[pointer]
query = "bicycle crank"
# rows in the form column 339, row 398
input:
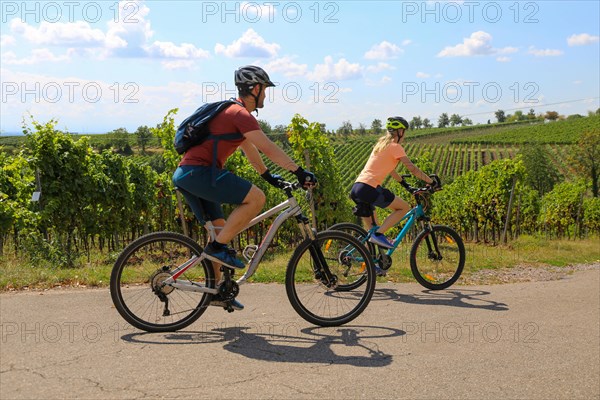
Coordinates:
column 384, row 261
column 228, row 291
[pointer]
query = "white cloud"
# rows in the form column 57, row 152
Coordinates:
column 582, row 39
column 286, row 66
column 478, row 44
column 82, row 105
column 507, row 50
column 7, row 40
column 178, row 64
column 78, row 33
column 128, row 34
column 383, row 51
column 37, row 56
column 384, row 80
column 422, row 75
column 381, row 66
column 544, row 52
column 171, row 50
column 577, row 82
column 250, row 44
column 406, row 42
column 503, row 59
column 342, row 70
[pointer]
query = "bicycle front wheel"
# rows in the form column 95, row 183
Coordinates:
column 437, row 257
column 137, row 289
column 355, row 277
column 315, row 271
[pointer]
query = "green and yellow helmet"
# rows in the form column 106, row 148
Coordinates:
column 394, row 123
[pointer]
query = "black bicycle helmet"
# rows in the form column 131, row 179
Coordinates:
column 397, row 123
column 250, row 75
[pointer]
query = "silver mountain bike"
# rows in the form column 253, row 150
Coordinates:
column 162, row 281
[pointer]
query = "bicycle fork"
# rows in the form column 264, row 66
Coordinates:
column 433, row 249
column 320, row 267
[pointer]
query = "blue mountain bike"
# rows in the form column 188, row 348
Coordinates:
column 437, row 256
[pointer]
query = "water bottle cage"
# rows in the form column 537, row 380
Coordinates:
column 249, row 252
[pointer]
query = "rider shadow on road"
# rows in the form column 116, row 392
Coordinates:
column 464, row 298
column 348, row 345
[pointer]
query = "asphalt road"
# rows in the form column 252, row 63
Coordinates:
column 538, row 340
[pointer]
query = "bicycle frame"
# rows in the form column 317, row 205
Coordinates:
column 413, row 215
column 285, row 210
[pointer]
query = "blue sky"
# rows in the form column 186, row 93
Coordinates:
column 96, row 66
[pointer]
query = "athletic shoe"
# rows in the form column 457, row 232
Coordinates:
column 380, row 240
column 225, row 256
column 218, row 302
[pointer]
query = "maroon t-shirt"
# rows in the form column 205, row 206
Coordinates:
column 234, row 119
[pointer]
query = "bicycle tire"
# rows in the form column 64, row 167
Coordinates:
column 310, row 297
column 432, row 273
column 360, row 233
column 142, row 265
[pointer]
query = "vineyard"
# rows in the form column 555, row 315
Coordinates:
column 449, row 160
column 519, row 133
column 558, row 132
column 100, row 199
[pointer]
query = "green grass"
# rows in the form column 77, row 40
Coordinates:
column 526, row 251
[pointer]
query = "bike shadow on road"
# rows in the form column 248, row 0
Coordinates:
column 465, row 298
column 347, row 345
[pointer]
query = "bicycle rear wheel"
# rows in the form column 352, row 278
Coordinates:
column 135, row 283
column 355, row 277
column 316, row 299
column 437, row 257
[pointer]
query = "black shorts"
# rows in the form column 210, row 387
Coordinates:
column 379, row 196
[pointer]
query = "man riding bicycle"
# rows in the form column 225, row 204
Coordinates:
column 194, row 175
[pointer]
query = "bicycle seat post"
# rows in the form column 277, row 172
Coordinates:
column 212, row 230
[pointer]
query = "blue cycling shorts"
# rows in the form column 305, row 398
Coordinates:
column 206, row 198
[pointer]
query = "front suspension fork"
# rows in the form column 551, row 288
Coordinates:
column 320, row 267
column 433, row 250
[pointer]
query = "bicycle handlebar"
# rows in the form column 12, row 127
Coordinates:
column 417, row 191
column 289, row 187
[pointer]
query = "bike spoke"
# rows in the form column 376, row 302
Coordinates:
column 437, row 257
column 317, row 298
column 137, row 283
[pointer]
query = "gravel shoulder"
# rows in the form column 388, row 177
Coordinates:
column 524, row 273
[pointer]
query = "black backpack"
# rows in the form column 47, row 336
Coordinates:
column 194, row 129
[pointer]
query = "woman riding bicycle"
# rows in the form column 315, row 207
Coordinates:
column 367, row 189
